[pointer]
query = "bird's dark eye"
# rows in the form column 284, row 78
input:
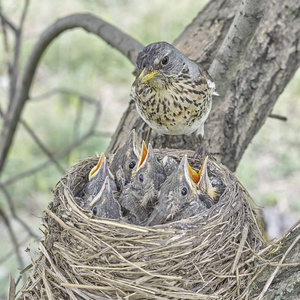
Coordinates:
column 132, row 164
column 95, row 210
column 141, row 177
column 184, row 191
column 165, row 60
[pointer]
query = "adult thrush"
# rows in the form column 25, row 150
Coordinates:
column 172, row 93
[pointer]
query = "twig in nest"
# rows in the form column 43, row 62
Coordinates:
column 288, row 231
column 240, row 249
column 12, row 288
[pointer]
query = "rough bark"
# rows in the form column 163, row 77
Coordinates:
column 271, row 59
column 286, row 283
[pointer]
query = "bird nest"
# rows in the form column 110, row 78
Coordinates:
column 207, row 256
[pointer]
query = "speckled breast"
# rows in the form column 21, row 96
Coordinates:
column 175, row 109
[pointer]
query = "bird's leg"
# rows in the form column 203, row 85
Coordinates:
column 148, row 137
column 167, row 141
column 201, row 151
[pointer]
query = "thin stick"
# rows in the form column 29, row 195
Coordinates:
column 70, row 229
column 13, row 237
column 13, row 211
column 42, row 146
column 11, row 289
column 288, row 232
column 278, row 117
column 6, row 21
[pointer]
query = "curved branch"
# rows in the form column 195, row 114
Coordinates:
column 113, row 36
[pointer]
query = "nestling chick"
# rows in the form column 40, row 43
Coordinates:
column 140, row 194
column 104, row 204
column 170, row 164
column 125, row 160
column 97, row 177
column 205, row 186
column 178, row 197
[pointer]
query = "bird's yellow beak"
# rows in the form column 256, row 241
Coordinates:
column 204, row 183
column 143, row 154
column 95, row 169
column 144, row 76
column 193, row 174
column 203, row 173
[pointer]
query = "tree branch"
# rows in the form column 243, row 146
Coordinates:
column 6, row 48
column 6, row 21
column 15, row 65
column 13, row 212
column 269, row 281
column 13, row 237
column 113, row 36
column 42, row 146
column 278, row 117
column 11, row 252
column 234, row 47
column 60, row 154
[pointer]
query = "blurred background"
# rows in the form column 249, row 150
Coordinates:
column 78, row 73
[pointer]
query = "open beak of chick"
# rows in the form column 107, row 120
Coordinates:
column 204, row 183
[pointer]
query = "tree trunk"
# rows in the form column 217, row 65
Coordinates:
column 270, row 60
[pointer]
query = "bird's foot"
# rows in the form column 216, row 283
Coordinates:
column 201, row 151
column 167, row 141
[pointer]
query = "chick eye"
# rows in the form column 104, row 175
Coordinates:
column 184, row 191
column 132, row 164
column 165, row 60
column 141, row 177
column 95, row 210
